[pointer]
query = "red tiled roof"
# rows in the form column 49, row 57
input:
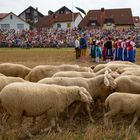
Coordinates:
column 119, row 16
column 2, row 15
column 48, row 21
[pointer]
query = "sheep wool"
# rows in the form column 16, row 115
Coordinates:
column 34, row 99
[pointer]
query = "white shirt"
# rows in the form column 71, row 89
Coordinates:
column 77, row 43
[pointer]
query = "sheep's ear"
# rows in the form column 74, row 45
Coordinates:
column 106, row 81
column 83, row 96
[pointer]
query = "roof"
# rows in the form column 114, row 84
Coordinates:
column 30, row 7
column 3, row 15
column 64, row 7
column 6, row 14
column 119, row 16
column 48, row 21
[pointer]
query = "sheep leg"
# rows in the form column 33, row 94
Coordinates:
column 75, row 112
column 108, row 118
column 132, row 124
column 34, row 120
column 89, row 113
column 53, row 124
column 57, row 125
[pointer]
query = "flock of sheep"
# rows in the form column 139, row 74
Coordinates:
column 49, row 90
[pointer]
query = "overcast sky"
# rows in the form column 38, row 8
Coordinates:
column 17, row 6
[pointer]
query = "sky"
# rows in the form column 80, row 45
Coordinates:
column 18, row 6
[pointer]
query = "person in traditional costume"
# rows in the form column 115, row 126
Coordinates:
column 96, row 51
column 109, row 53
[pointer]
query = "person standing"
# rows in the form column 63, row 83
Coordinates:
column 77, row 47
column 109, row 53
column 83, row 48
column 96, row 51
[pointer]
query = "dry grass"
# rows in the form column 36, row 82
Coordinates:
column 81, row 128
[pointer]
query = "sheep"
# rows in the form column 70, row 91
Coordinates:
column 132, row 72
column 74, row 74
column 2, row 74
column 34, row 99
column 4, row 80
column 114, row 66
column 40, row 72
column 122, row 102
column 15, row 70
column 129, row 83
column 95, row 86
column 117, row 67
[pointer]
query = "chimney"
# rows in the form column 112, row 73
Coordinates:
column 36, row 8
column 102, row 16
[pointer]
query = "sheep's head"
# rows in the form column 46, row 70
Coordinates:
column 109, row 81
column 85, row 95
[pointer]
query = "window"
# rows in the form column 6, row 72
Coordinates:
column 93, row 24
column 58, row 25
column 68, row 25
column 5, row 26
column 11, row 17
column 20, row 26
column 109, row 24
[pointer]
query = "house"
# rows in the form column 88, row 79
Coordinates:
column 11, row 21
column 136, row 21
column 60, row 21
column 108, row 19
column 31, row 15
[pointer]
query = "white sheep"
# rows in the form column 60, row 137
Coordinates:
column 34, row 99
column 5, row 80
column 40, row 72
column 95, row 86
column 128, row 84
column 15, row 70
column 125, row 103
column 74, row 74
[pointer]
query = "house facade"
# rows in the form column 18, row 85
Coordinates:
column 11, row 21
column 63, row 18
column 108, row 19
column 62, row 21
column 31, row 15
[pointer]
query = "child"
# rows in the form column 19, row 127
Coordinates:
column 96, row 52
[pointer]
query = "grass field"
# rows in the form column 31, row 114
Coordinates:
column 80, row 128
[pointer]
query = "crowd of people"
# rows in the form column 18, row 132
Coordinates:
column 108, row 45
column 116, row 44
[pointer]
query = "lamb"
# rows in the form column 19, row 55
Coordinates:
column 40, row 72
column 15, row 70
column 34, row 99
column 122, row 102
column 74, row 74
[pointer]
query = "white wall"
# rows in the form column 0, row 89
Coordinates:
column 14, row 21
